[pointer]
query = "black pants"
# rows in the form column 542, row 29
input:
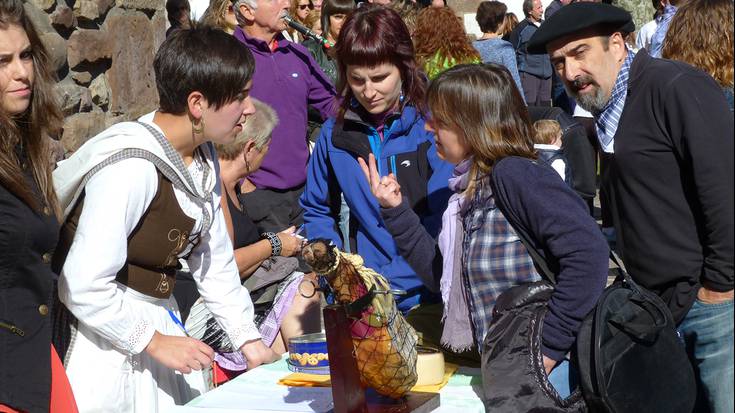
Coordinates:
column 536, row 90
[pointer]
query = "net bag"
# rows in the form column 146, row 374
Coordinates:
column 384, row 343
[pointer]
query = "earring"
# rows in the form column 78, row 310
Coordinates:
column 400, row 98
column 200, row 129
column 354, row 103
column 247, row 163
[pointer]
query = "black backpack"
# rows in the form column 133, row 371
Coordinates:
column 628, row 354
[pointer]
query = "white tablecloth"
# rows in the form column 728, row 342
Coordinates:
column 258, row 391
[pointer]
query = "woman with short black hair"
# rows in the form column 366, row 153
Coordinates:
column 138, row 198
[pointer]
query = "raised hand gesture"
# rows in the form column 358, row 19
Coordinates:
column 385, row 189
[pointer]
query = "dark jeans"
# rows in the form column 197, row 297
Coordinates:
column 536, row 90
column 273, row 210
column 707, row 331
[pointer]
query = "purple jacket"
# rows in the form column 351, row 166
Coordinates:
column 289, row 80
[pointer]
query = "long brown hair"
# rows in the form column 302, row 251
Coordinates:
column 31, row 129
column 438, row 29
column 215, row 14
column 701, row 34
column 483, row 104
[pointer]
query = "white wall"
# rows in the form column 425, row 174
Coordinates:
column 514, row 6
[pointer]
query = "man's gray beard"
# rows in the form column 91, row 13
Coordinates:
column 591, row 102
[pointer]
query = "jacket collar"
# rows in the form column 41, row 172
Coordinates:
column 640, row 63
column 351, row 134
column 257, row 44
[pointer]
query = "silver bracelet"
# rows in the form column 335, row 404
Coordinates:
column 272, row 237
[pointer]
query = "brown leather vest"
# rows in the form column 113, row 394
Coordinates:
column 153, row 247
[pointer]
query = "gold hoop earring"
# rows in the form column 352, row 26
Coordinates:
column 200, row 129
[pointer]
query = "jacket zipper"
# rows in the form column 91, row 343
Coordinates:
column 376, row 145
column 12, row 329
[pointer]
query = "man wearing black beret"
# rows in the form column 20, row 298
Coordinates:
column 668, row 133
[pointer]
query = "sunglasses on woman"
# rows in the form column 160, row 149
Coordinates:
column 305, row 6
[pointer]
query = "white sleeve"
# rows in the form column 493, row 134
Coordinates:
column 115, row 200
column 212, row 265
column 559, row 167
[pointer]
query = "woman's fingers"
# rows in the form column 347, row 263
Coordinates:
column 364, row 168
column 370, row 170
column 386, row 189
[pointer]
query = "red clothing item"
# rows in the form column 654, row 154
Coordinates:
column 62, row 397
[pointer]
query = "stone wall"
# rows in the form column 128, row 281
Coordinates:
column 102, row 52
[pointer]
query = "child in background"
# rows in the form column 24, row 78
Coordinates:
column 548, row 135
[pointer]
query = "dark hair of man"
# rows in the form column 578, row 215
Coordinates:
column 174, row 8
column 374, row 35
column 332, row 7
column 201, row 59
column 493, row 121
column 490, row 15
column 527, row 7
column 30, row 130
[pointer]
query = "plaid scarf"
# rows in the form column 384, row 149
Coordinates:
column 606, row 122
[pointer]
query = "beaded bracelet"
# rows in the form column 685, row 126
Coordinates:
column 272, row 237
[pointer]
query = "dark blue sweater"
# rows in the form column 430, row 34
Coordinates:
column 558, row 221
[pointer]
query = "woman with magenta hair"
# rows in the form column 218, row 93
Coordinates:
column 381, row 113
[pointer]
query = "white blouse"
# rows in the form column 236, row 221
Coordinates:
column 116, row 198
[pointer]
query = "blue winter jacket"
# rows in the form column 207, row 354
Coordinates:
column 409, row 152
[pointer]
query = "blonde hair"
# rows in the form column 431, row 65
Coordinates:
column 258, row 129
column 547, row 131
column 701, row 34
column 215, row 14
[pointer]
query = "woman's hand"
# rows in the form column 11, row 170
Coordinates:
column 385, row 189
column 257, row 353
column 182, row 354
column 290, row 243
column 549, row 365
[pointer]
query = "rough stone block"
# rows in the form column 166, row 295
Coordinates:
column 56, row 48
column 63, row 16
column 141, row 4
column 100, row 90
column 44, row 4
column 88, row 46
column 92, row 9
column 40, row 20
column 159, row 24
column 131, row 77
column 80, row 127
column 82, row 78
column 72, row 97
column 464, row 6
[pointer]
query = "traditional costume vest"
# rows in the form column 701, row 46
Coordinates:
column 154, row 246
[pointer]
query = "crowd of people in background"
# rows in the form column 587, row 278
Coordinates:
column 388, row 130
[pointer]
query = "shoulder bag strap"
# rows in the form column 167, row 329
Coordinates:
column 538, row 259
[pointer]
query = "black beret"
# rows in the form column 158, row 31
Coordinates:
column 576, row 17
